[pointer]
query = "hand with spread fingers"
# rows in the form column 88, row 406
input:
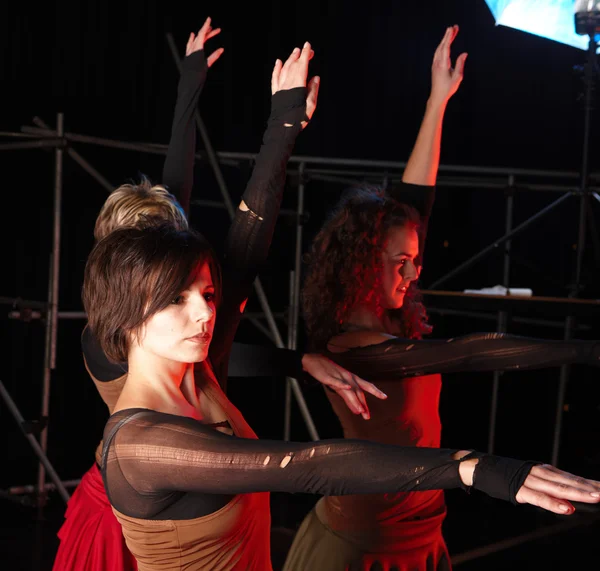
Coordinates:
column 294, row 73
column 347, row 385
column 446, row 79
column 196, row 42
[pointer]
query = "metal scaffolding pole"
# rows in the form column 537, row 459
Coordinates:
column 295, row 315
column 85, row 165
column 52, row 316
column 502, row 321
column 481, row 254
column 40, row 453
column 590, row 73
column 287, row 403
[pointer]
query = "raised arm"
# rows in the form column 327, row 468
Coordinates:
column 422, row 166
column 209, row 462
column 178, row 170
column 249, row 238
column 420, row 175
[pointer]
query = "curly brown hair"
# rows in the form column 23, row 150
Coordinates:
column 345, row 265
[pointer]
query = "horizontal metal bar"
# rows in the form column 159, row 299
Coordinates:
column 29, row 489
column 494, row 317
column 25, row 303
column 17, row 135
column 341, row 177
column 158, row 148
column 515, row 299
column 42, row 144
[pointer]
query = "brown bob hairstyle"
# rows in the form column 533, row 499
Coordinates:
column 133, row 273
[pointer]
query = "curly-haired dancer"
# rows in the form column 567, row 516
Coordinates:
column 361, row 306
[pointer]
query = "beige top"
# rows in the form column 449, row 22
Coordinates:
column 408, row 417
column 236, row 537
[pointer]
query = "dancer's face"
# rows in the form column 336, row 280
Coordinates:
column 182, row 331
column 398, row 256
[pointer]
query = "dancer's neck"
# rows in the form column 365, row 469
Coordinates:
column 159, row 384
column 365, row 317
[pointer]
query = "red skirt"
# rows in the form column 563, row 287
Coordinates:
column 91, row 538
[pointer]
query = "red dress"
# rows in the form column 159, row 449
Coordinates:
column 91, row 539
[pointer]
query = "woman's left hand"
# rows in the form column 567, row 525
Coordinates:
column 445, row 79
column 196, row 42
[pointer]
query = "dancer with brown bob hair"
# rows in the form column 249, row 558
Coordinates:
column 184, row 473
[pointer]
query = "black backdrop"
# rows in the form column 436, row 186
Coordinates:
column 107, row 66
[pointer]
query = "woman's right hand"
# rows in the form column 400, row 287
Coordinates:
column 294, row 73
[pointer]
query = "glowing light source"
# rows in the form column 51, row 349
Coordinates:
column 551, row 19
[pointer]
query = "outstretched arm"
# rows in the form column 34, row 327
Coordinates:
column 266, row 360
column 156, row 453
column 178, row 170
column 377, row 356
column 420, row 175
column 358, row 357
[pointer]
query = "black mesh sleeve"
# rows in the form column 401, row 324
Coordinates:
column 251, row 231
column 178, row 170
column 399, row 358
column 156, row 453
column 264, row 360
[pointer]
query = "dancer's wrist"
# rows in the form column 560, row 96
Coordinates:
column 466, row 468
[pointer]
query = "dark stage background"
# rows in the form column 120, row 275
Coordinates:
column 107, row 66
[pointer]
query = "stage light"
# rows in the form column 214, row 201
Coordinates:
column 563, row 21
column 587, row 17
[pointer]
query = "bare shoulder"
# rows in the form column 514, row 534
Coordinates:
column 352, row 339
